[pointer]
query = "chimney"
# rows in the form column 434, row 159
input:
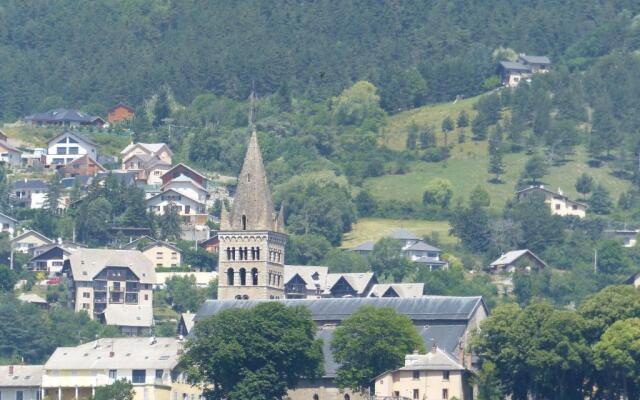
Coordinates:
column 112, row 353
column 434, row 347
column 10, row 370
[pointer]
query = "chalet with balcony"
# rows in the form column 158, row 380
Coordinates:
column 120, row 113
column 67, row 147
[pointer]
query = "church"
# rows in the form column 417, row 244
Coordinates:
column 251, row 270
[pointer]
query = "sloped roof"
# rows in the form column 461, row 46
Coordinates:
column 366, row 246
column 306, row 272
column 401, row 289
column 153, row 148
column 87, row 263
column 403, row 234
column 514, row 66
column 24, row 376
column 75, row 135
column 129, row 315
column 357, row 280
column 29, row 233
column 29, row 184
column 184, row 179
column 176, row 192
column 32, row 298
column 62, row 115
column 535, row 59
column 543, row 189
column 189, row 320
column 160, row 243
column 9, row 147
column 118, row 353
column 434, row 360
column 8, row 217
column 120, row 105
column 426, row 308
column 510, row 257
column 422, row 246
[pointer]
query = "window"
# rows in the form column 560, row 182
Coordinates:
column 347, row 397
column 138, row 376
column 445, row 394
column 416, row 375
column 574, row 207
column 445, row 375
column 159, row 373
column 416, row 394
column 557, row 206
column 244, row 222
column 61, row 150
column 158, row 255
column 113, row 374
column 159, row 265
column 230, row 277
column 86, row 295
column 73, row 150
column 85, row 306
column 131, row 298
column 146, row 297
column 19, row 395
column 254, row 276
column 243, row 277
column 174, row 255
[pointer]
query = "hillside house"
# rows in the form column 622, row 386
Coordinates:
column 29, row 193
column 64, row 117
column 20, row 382
column 211, row 245
column 69, row 146
column 512, row 261
column 514, row 72
column 163, row 254
column 559, row 203
column 149, row 161
column 27, row 241
column 435, row 375
column 119, row 113
column 302, row 282
column 50, row 258
column 151, row 364
column 183, row 169
column 192, row 210
column 8, row 225
column 10, row 155
column 439, row 320
column 34, row 157
column 364, row 249
column 187, row 186
column 113, row 286
column 629, row 237
column 83, row 166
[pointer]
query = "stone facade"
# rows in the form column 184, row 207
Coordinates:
column 252, row 238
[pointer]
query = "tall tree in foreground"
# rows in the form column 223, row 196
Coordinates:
column 254, row 354
column 371, row 341
column 387, row 260
column 584, row 184
column 535, row 169
column 118, row 390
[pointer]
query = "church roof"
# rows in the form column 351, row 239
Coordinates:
column 252, row 203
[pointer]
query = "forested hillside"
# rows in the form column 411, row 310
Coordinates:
column 93, row 54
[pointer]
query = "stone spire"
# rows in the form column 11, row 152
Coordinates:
column 252, row 206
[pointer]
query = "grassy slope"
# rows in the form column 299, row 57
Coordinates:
column 376, row 228
column 467, row 166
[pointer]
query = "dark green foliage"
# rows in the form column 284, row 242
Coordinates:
column 339, row 260
column 306, row 249
column 600, row 200
column 535, row 168
column 471, row 226
column 8, row 279
column 255, row 353
column 365, row 204
column 170, row 224
column 584, row 184
column 540, row 229
column 118, row 390
column 453, row 282
column 438, row 193
column 371, row 341
column 161, row 108
column 427, row 138
column 388, row 262
column 463, row 119
column 183, row 295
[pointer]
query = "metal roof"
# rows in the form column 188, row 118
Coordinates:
column 129, row 315
column 427, row 308
column 307, row 273
column 8, row 217
column 31, row 233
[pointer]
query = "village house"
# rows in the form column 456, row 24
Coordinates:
column 34, row 299
column 442, row 321
column 83, row 166
column 151, row 364
column 10, row 155
column 50, row 258
column 183, row 169
column 514, row 72
column 211, row 245
column 67, row 147
column 8, row 225
column 20, row 382
column 517, row 260
column 629, row 237
column 149, row 161
column 187, row 186
column 113, row 286
column 192, row 210
column 34, row 157
column 119, row 113
column 559, row 203
column 435, row 375
column 414, row 248
column 405, row 290
column 163, row 254
column 64, row 117
column 29, row 193
column 28, row 240
column 305, row 281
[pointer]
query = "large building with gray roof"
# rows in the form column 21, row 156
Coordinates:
column 113, row 286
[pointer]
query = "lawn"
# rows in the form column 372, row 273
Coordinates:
column 376, row 228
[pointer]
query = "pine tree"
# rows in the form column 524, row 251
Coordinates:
column 412, row 137
column 496, row 163
column 427, row 138
column 463, row 119
column 447, row 126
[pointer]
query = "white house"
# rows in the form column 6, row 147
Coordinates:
column 29, row 240
column 8, row 225
column 20, row 382
column 191, row 209
column 69, row 146
column 187, row 186
column 9, row 154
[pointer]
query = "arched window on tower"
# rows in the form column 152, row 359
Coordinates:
column 244, row 222
column 230, row 277
column 228, row 253
column 243, row 276
column 254, row 276
column 233, row 253
column 253, row 253
column 257, row 253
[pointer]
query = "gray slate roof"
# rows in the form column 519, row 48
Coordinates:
column 30, row 184
column 403, row 234
column 535, row 59
column 23, row 376
column 87, row 263
column 306, row 272
column 366, row 246
column 514, row 66
column 422, row 246
column 426, row 308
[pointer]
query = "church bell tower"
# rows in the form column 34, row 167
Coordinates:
column 252, row 237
